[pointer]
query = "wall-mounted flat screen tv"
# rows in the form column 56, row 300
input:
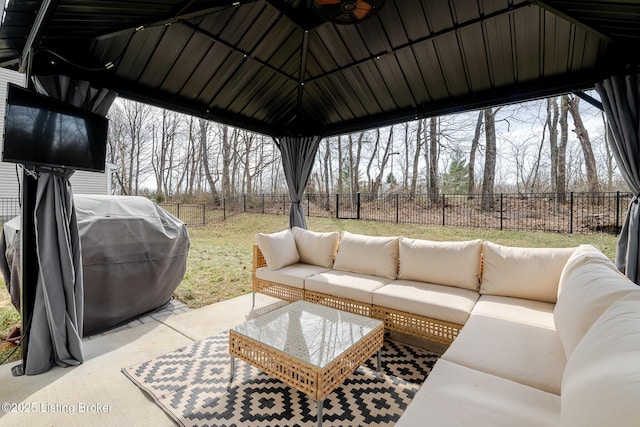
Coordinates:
column 42, row 131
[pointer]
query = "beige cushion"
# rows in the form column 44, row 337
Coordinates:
column 291, row 275
column 377, row 256
column 586, row 293
column 527, row 354
column 526, row 311
column 581, row 255
column 353, row 286
column 530, row 273
column 601, row 384
column 443, row 263
column 316, row 248
column 278, row 249
column 425, row 299
column 454, row 396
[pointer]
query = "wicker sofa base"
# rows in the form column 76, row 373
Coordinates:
column 277, row 290
column 394, row 320
column 343, row 304
column 419, row 326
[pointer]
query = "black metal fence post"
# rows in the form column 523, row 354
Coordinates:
column 397, row 208
column 358, row 205
column 443, row 212
column 501, row 210
column 204, row 214
column 337, row 205
column 263, row 203
column 224, row 209
column 617, row 211
column 178, row 215
column 308, row 204
column 571, row 213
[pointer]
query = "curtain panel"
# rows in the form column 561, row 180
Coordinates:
column 298, row 155
column 621, row 102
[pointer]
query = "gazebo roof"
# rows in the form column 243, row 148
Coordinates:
column 276, row 67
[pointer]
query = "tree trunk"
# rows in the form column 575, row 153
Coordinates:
column 562, row 149
column 204, row 128
column 472, row 155
column 340, row 165
column 585, row 142
column 226, row 162
column 416, row 161
column 433, row 159
column 552, row 125
column 489, row 160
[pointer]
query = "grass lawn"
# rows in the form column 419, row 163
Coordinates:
column 220, row 258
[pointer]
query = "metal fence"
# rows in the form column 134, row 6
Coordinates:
column 9, row 208
column 551, row 212
column 562, row 213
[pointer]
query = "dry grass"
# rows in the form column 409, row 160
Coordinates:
column 219, row 264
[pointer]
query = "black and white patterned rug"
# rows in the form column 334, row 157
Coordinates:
column 192, row 386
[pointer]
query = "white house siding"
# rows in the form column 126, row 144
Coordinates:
column 81, row 181
column 8, row 181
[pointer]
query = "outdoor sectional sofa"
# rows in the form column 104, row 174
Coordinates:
column 538, row 336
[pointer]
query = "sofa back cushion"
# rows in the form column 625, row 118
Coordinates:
column 529, row 273
column 601, row 382
column 279, row 249
column 316, row 248
column 589, row 285
column 442, row 263
column 377, row 256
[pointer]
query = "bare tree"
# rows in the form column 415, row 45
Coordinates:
column 472, row 154
column 135, row 118
column 585, row 143
column 354, row 161
column 377, row 182
column 433, row 159
column 552, row 124
column 489, row 158
column 561, row 181
column 204, row 148
column 416, row 161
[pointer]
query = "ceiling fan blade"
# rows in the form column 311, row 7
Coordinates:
column 362, row 9
column 324, row 2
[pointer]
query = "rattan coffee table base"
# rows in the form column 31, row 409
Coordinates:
column 311, row 380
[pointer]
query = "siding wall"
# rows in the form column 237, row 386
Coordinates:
column 81, row 181
column 8, row 179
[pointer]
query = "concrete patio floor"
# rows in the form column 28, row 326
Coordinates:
column 96, row 393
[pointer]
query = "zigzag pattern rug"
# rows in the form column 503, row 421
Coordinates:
column 192, row 386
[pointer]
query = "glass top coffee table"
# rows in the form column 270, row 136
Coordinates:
column 307, row 346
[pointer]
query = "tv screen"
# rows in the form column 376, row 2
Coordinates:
column 39, row 130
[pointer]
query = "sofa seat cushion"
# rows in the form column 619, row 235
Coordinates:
column 529, row 273
column 454, row 395
column 527, row 354
column 529, row 312
column 291, row 275
column 445, row 263
column 353, row 286
column 425, row 299
column 586, row 291
column 601, row 384
column 377, row 256
column 316, row 248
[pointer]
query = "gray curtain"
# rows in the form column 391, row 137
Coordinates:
column 55, row 333
column 298, row 155
column 621, row 102
column 56, row 325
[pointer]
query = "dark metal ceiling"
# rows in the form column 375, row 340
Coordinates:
column 276, row 67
